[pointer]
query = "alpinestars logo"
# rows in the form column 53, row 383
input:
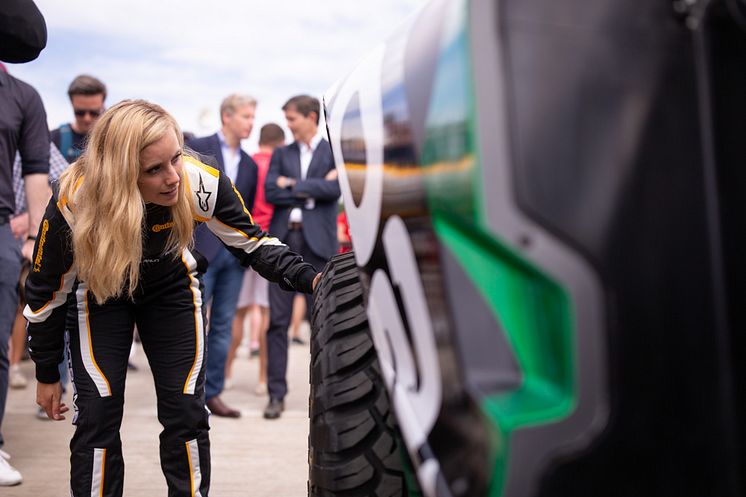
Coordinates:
column 203, row 200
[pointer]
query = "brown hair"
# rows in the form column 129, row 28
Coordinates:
column 86, row 85
column 304, row 104
column 271, row 134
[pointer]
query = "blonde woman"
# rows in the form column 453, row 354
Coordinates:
column 116, row 240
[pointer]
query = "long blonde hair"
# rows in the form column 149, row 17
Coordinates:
column 105, row 201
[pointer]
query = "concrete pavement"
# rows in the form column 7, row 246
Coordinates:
column 251, row 457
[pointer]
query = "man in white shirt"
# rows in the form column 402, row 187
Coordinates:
column 302, row 186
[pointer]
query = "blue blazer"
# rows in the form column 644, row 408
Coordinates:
column 319, row 223
column 209, row 149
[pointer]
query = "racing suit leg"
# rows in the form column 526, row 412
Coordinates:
column 170, row 321
column 100, row 338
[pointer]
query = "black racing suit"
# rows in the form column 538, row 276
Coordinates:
column 167, row 309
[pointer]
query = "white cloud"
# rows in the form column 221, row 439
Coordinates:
column 188, row 55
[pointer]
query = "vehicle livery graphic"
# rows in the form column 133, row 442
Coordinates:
column 543, row 206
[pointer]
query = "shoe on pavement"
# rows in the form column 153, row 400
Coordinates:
column 9, row 475
column 17, row 378
column 41, row 414
column 298, row 341
column 260, row 389
column 4, row 455
column 254, row 349
column 274, row 409
column 218, row 408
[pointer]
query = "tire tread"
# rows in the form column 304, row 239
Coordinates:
column 353, row 438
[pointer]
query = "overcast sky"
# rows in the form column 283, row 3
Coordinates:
column 187, row 55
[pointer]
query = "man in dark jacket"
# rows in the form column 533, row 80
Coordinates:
column 302, row 185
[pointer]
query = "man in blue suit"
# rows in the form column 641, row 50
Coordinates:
column 224, row 274
column 302, row 185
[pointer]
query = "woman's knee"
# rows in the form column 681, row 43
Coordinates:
column 183, row 416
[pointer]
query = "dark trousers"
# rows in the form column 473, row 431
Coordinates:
column 169, row 318
column 223, row 281
column 10, row 270
column 280, row 313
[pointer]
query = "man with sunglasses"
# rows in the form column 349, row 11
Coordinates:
column 87, row 95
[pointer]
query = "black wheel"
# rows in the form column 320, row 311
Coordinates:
column 353, row 441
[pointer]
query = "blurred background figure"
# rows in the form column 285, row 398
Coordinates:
column 87, row 95
column 297, row 317
column 302, row 185
column 23, row 129
column 254, row 297
column 343, row 232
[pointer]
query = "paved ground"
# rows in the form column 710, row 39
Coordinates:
column 250, row 456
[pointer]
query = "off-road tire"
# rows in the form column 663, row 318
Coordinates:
column 352, row 446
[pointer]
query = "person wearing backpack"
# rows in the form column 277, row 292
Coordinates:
column 87, row 95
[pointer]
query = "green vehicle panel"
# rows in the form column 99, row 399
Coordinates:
column 497, row 164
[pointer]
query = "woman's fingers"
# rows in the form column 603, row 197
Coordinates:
column 58, row 408
column 48, row 397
